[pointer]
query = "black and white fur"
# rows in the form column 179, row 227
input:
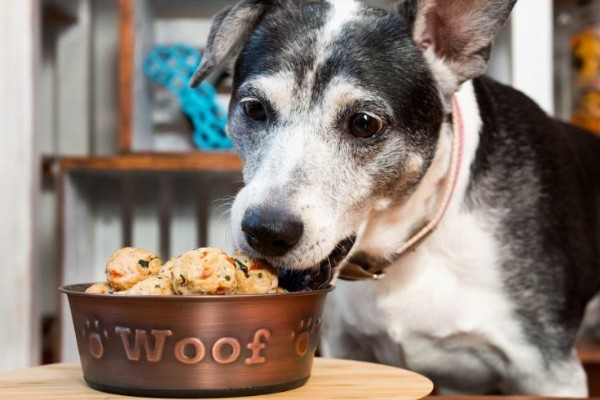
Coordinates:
column 492, row 299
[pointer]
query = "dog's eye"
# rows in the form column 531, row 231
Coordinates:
column 255, row 110
column 365, row 126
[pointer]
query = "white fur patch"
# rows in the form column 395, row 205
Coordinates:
column 343, row 12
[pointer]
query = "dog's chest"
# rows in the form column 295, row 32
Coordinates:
column 443, row 304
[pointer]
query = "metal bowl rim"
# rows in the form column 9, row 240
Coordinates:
column 70, row 290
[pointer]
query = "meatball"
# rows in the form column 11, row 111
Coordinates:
column 154, row 285
column 167, row 268
column 129, row 265
column 253, row 277
column 204, row 271
column 100, row 288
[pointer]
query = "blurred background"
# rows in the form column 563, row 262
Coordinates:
column 104, row 146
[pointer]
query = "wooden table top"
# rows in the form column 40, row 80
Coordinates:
column 331, row 379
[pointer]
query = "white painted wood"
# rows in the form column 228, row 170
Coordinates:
column 146, row 228
column 47, row 252
column 184, row 229
column 19, row 178
column 223, row 100
column 47, row 90
column 171, row 131
column 78, row 256
column 105, row 73
column 47, row 144
column 183, row 30
column 220, row 194
column 188, row 8
column 74, row 84
column 532, row 50
column 500, row 60
column 107, row 223
column 142, row 103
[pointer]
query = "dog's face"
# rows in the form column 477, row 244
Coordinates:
column 336, row 111
column 323, row 114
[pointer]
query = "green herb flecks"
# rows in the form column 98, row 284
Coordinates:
column 156, row 286
column 144, row 264
column 182, row 279
column 227, row 278
column 240, row 265
column 260, row 275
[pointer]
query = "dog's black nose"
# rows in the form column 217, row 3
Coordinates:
column 270, row 231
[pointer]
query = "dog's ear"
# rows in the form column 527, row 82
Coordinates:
column 459, row 33
column 230, row 30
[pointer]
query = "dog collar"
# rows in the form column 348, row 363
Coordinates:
column 355, row 271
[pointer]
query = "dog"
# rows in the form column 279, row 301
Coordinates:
column 363, row 130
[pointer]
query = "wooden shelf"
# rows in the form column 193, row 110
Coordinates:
column 152, row 162
column 590, row 357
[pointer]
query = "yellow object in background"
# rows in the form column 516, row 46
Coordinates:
column 585, row 49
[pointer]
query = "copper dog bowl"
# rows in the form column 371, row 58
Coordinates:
column 196, row 346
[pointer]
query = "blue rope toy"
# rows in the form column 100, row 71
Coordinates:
column 172, row 67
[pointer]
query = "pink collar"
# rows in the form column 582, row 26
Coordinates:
column 352, row 271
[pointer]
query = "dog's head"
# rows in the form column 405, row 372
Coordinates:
column 337, row 110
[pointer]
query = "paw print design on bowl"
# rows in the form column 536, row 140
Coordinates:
column 307, row 330
column 95, row 337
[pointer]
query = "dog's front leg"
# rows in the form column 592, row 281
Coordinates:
column 338, row 339
column 339, row 344
column 352, row 326
column 561, row 378
column 344, row 343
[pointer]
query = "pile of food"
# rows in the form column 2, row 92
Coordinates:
column 204, row 271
